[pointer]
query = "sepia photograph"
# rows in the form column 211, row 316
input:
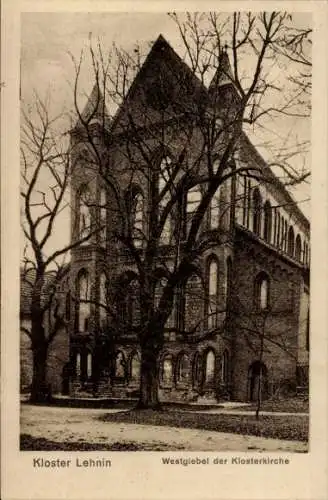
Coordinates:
column 165, row 184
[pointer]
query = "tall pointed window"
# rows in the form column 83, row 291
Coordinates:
column 278, row 230
column 248, row 203
column 78, row 365
column 212, row 293
column 103, row 301
column 103, row 217
column 298, row 248
column 83, row 305
column 182, row 373
column 160, row 285
column 267, row 230
column 120, row 365
column 137, row 219
column 225, row 367
column 209, row 367
column 215, row 209
column 194, row 197
column 257, row 207
column 291, row 242
column 194, row 297
column 135, row 367
column 167, row 370
column 286, row 236
column 84, row 213
column 262, row 292
column 165, row 184
column 89, row 365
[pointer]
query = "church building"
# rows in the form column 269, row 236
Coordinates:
column 246, row 315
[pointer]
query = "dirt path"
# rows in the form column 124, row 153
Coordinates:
column 78, row 424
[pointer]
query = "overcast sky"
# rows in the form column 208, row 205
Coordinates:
column 47, row 39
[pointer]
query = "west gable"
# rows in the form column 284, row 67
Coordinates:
column 164, row 89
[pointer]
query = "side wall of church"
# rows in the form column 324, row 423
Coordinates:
column 279, row 325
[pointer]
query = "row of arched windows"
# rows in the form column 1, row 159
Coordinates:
column 205, row 297
column 123, row 369
column 129, row 303
column 267, row 222
column 201, row 370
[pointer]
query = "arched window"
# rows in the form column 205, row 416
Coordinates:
column 278, row 231
column 282, row 232
column 267, row 230
column 167, row 370
column 274, row 225
column 215, row 209
column 137, row 219
column 68, row 306
column 182, row 373
column 249, row 203
column 262, row 292
column 298, row 248
column 164, row 183
column 197, row 370
column 103, row 300
column 83, row 303
column 257, row 207
column 209, row 367
column 225, row 367
column 194, row 197
column 306, row 254
column 286, row 236
column 84, row 213
column 78, row 365
column 257, row 381
column 291, row 242
column 135, row 367
column 103, row 217
column 212, row 293
column 120, row 365
column 194, row 298
column 89, row 365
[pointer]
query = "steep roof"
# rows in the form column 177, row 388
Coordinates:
column 163, row 81
column 95, row 109
column 27, row 281
column 223, row 74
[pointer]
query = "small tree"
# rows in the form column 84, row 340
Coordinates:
column 45, row 172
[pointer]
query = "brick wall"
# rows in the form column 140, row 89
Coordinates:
column 279, row 324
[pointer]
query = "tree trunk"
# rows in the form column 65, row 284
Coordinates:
column 40, row 390
column 148, row 380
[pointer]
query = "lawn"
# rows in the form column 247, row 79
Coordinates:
column 292, row 405
column 271, row 426
column 31, row 443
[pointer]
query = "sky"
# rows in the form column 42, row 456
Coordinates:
column 48, row 39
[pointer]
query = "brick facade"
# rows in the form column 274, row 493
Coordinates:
column 246, row 252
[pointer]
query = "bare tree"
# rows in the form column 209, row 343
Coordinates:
column 45, row 171
column 181, row 142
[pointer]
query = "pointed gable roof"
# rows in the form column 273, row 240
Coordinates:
column 163, row 79
column 95, row 108
column 223, row 75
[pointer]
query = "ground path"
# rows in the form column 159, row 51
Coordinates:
column 62, row 424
